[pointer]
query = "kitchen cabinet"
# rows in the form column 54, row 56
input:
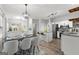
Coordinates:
column 70, row 44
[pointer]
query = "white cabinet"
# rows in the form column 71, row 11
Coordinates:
column 50, row 37
column 47, row 37
column 70, row 44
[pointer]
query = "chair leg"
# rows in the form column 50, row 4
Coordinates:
column 33, row 50
column 38, row 49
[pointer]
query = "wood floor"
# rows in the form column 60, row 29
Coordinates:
column 0, row 46
column 51, row 48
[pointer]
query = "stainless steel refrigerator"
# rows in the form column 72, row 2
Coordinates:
column 54, row 30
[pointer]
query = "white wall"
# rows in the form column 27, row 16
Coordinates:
column 41, row 24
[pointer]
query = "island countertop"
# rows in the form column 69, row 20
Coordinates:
column 71, row 34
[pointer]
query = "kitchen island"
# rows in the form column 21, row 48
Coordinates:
column 70, row 43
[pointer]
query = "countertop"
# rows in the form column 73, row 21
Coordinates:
column 71, row 34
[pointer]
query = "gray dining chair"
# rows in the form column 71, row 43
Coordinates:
column 10, row 47
column 25, row 45
column 35, row 46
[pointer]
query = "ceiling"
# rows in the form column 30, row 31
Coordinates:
column 36, row 11
column 12, row 10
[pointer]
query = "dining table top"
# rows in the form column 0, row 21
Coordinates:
column 19, row 38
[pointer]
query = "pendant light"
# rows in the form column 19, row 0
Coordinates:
column 25, row 14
